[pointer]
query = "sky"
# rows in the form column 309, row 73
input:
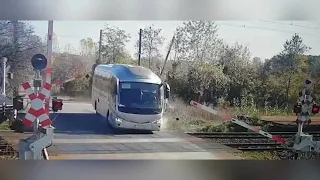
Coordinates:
column 264, row 38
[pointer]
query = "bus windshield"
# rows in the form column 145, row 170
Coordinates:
column 139, row 98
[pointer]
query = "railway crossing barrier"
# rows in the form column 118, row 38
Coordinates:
column 305, row 107
column 227, row 116
column 34, row 147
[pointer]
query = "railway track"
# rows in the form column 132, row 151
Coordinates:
column 246, row 135
column 248, row 141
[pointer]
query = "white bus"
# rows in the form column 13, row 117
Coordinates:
column 129, row 97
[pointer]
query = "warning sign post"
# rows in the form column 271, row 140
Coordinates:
column 34, row 147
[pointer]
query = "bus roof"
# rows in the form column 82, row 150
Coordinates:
column 129, row 73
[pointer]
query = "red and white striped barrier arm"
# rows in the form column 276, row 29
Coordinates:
column 229, row 117
column 37, row 102
column 68, row 80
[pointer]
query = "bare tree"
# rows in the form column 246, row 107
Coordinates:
column 55, row 43
column 113, row 43
column 69, row 49
column 19, row 43
column 197, row 40
column 151, row 41
column 87, row 46
column 63, row 68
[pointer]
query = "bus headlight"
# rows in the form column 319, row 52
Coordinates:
column 115, row 118
column 118, row 120
column 159, row 121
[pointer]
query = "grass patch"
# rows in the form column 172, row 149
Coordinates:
column 192, row 119
column 8, row 158
column 4, row 125
column 255, row 155
column 182, row 117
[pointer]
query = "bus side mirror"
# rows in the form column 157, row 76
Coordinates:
column 166, row 91
column 167, row 94
column 10, row 75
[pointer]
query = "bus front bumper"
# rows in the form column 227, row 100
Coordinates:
column 120, row 123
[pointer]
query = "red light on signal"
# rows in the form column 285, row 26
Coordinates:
column 297, row 109
column 18, row 103
column 315, row 109
column 57, row 105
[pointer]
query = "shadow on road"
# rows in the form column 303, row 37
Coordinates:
column 87, row 123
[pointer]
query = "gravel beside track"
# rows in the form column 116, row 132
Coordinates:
column 253, row 142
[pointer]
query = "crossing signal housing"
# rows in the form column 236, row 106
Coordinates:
column 315, row 109
column 18, row 103
column 297, row 109
column 56, row 104
column 9, row 75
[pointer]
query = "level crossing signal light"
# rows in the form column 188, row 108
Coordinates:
column 297, row 109
column 315, row 109
column 57, row 104
column 39, row 62
column 18, row 103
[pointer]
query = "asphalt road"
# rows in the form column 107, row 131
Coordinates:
column 80, row 118
column 82, row 134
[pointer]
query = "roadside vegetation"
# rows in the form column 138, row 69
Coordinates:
column 183, row 117
column 4, row 125
column 202, row 67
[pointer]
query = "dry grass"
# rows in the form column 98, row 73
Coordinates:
column 192, row 119
column 182, row 117
column 285, row 118
column 255, row 155
column 4, row 125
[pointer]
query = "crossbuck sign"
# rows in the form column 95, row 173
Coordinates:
column 37, row 105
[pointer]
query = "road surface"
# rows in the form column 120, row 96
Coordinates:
column 82, row 134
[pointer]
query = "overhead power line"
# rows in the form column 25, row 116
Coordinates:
column 69, row 36
column 264, row 28
column 290, row 24
column 230, row 25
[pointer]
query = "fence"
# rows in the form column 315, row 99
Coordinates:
column 6, row 150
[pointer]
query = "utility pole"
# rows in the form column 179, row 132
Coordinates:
column 168, row 53
column 3, row 84
column 15, row 35
column 15, row 48
column 139, row 53
column 100, row 46
column 47, row 74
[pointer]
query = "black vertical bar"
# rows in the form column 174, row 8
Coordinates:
column 139, row 53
